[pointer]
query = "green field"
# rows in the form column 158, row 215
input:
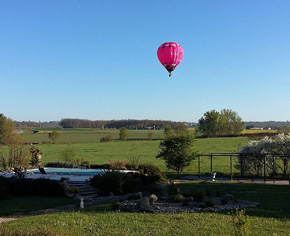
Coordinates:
column 99, row 153
column 88, row 135
column 271, row 218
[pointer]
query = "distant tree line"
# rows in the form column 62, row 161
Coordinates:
column 129, row 124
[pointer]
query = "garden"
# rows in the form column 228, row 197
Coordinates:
column 171, row 206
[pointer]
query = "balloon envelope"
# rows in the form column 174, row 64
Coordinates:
column 170, row 55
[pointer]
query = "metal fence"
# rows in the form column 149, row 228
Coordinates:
column 268, row 161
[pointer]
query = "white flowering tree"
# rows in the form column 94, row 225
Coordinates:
column 254, row 152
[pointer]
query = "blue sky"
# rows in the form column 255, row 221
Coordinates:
column 97, row 59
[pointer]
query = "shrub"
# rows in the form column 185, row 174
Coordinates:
column 172, row 188
column 73, row 190
column 178, row 198
column 210, row 202
column 102, row 166
column 107, row 138
column 241, row 223
column 224, row 200
column 117, row 183
column 59, row 165
column 119, row 165
column 218, row 194
column 3, row 187
column 198, row 195
column 151, row 170
column 110, row 181
column 132, row 182
column 208, row 193
column 82, row 162
column 35, row 187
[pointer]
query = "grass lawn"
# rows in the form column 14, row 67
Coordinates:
column 272, row 218
column 13, row 205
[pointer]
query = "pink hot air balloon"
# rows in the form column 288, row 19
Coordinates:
column 170, row 55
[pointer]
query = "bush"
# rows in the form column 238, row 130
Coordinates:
column 110, row 181
column 35, row 187
column 3, row 187
column 172, row 188
column 102, row 166
column 198, row 195
column 73, row 190
column 224, row 200
column 107, row 138
column 119, row 165
column 117, row 183
column 210, row 202
column 59, row 165
column 151, row 170
column 178, row 198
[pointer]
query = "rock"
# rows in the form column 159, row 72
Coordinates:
column 139, row 194
column 144, row 203
column 229, row 196
column 152, row 199
column 202, row 205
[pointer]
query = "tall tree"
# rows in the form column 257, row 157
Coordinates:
column 7, row 129
column 53, row 135
column 208, row 124
column 123, row 134
column 177, row 151
column 227, row 122
column 168, row 131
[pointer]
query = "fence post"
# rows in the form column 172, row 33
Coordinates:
column 273, row 169
column 231, row 161
column 199, row 166
column 264, row 168
column 241, row 155
column 211, row 162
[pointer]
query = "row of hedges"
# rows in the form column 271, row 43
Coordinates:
column 30, row 187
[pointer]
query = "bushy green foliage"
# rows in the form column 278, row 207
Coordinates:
column 119, row 165
column 73, row 190
column 210, row 202
column 177, row 152
column 67, row 154
column 150, row 135
column 59, row 164
column 178, row 198
column 35, row 187
column 110, row 181
column 116, row 182
column 53, row 135
column 198, row 195
column 224, row 200
column 254, row 152
column 152, row 171
column 226, row 122
column 107, row 138
column 124, row 134
column 241, row 223
column 3, row 187
column 172, row 188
